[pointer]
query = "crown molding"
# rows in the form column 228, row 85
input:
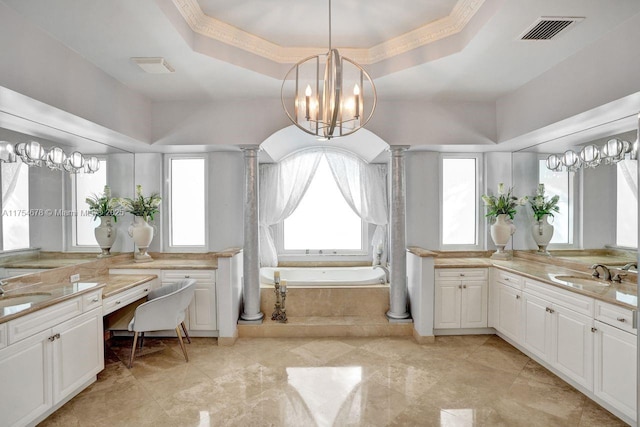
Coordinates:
column 215, row 29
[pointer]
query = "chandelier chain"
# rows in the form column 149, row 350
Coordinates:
column 329, row 25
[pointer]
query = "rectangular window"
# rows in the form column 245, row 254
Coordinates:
column 460, row 200
column 627, row 204
column 86, row 185
column 187, row 201
column 15, row 206
column 561, row 184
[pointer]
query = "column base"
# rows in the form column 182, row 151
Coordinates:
column 402, row 318
column 255, row 319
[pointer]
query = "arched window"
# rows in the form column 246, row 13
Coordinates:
column 323, row 221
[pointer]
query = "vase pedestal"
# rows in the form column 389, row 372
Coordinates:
column 142, row 256
column 501, row 254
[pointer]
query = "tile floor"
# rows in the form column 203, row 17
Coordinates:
column 458, row 381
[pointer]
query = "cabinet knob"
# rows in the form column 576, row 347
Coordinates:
column 621, row 319
column 464, row 286
column 550, row 310
column 186, row 276
column 51, row 338
column 95, row 299
column 517, row 296
column 461, row 274
column 594, row 329
column 506, row 278
column 146, row 289
column 459, row 286
column 117, row 302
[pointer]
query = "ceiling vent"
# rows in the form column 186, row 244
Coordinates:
column 548, row 27
column 154, row 65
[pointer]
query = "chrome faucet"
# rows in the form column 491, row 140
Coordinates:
column 605, row 271
column 1, row 287
column 629, row 266
column 387, row 273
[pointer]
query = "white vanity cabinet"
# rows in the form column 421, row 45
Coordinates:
column 461, row 298
column 52, row 354
column 615, row 358
column 202, row 311
column 507, row 301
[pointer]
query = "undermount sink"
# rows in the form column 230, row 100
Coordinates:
column 581, row 280
column 19, row 299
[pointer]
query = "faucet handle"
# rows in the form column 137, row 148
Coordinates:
column 618, row 277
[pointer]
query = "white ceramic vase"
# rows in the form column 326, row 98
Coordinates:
column 542, row 233
column 105, row 235
column 142, row 234
column 501, row 232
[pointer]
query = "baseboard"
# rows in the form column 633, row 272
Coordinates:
column 423, row 339
column 464, row 331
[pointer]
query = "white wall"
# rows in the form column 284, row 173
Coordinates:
column 120, row 177
column 423, row 195
column 44, row 69
column 602, row 72
column 149, row 174
column 497, row 169
column 226, row 198
column 420, row 283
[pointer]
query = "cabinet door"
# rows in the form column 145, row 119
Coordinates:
column 536, row 325
column 202, row 311
column 25, row 380
column 615, row 368
column 509, row 309
column 473, row 308
column 78, row 353
column 572, row 345
column 447, row 304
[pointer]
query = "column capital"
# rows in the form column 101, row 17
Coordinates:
column 398, row 150
column 250, row 150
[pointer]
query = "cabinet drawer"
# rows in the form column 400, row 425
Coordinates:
column 3, row 335
column 199, row 275
column 615, row 315
column 508, row 279
column 91, row 300
column 461, row 273
column 33, row 323
column 578, row 303
column 117, row 301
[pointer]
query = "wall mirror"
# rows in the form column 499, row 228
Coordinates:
column 598, row 205
column 45, row 222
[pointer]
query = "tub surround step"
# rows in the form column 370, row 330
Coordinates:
column 321, row 326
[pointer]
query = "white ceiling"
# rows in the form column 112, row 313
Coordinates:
column 491, row 62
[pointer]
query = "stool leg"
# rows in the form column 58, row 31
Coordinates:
column 133, row 349
column 184, row 349
column 186, row 334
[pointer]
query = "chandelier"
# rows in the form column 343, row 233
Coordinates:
column 33, row 154
column 338, row 103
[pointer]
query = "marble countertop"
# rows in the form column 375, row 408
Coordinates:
column 623, row 294
column 53, row 293
column 45, row 263
column 169, row 264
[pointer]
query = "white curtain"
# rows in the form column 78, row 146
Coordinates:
column 629, row 170
column 364, row 188
column 282, row 186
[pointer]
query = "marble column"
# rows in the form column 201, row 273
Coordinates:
column 398, row 295
column 251, row 250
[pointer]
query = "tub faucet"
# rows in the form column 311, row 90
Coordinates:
column 387, row 273
column 629, row 266
column 605, row 271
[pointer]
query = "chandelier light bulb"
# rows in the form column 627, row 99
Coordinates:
column 590, row 156
column 553, row 162
column 7, row 152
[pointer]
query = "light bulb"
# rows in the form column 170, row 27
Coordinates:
column 356, row 89
column 307, row 91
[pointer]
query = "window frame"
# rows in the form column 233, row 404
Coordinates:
column 480, row 224
column 73, row 219
column 18, row 250
column 166, row 205
column 363, row 254
column 575, row 199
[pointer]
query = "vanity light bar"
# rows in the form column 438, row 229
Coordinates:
column 613, row 151
column 33, row 154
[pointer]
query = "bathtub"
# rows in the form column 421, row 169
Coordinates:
column 325, row 276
